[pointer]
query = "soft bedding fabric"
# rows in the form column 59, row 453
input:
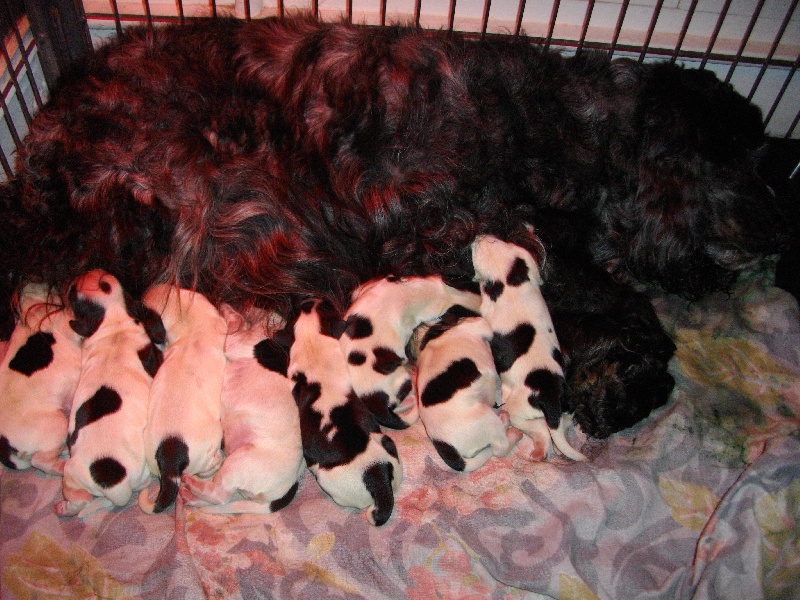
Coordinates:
column 702, row 500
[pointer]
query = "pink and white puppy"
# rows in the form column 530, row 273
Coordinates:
column 184, row 430
column 260, row 424
column 380, row 322
column 524, row 344
column 352, row 460
column 109, row 410
column 458, row 389
column 38, row 377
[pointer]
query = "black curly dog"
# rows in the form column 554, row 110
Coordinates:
column 275, row 160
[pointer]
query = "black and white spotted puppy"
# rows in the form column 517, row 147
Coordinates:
column 352, row 460
column 380, row 322
column 260, row 424
column 38, row 377
column 109, row 410
column 524, row 344
column 184, row 430
column 458, row 389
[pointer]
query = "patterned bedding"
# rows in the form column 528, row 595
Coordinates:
column 701, row 500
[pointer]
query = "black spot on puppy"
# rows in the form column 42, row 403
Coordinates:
column 356, row 358
column 284, row 500
column 518, row 274
column 6, row 450
column 105, row 287
column 449, row 455
column 330, row 324
column 459, row 374
column 493, row 289
column 378, row 404
column 88, row 316
column 508, row 347
column 386, row 361
column 433, row 332
column 463, row 281
column 151, row 358
column 107, row 472
column 378, row 481
column 305, row 392
column 358, row 327
column 350, row 424
column 272, row 356
column 558, row 357
column 453, row 315
column 34, row 355
column 389, row 445
column 549, row 388
column 105, row 401
column 150, row 319
column 404, row 390
column 172, row 457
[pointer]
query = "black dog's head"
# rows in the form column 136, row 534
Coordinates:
column 615, row 351
column 694, row 210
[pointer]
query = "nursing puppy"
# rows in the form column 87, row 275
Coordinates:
column 380, row 323
column 344, row 448
column 458, row 389
column 524, row 345
column 38, row 377
column 184, row 432
column 260, row 425
column 109, row 411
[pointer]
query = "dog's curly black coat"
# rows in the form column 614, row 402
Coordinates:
column 273, row 160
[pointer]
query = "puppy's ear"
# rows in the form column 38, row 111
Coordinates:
column 150, row 320
column 335, row 328
column 88, row 316
column 272, row 356
column 153, row 325
column 330, row 322
column 284, row 337
column 152, row 357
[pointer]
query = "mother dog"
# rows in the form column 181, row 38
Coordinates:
column 265, row 161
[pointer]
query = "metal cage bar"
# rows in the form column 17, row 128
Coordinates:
column 684, row 29
column 587, row 17
column 715, row 35
column 768, row 59
column 24, row 55
column 745, row 39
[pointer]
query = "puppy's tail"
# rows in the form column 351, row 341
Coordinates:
column 172, row 458
column 251, row 506
column 378, row 479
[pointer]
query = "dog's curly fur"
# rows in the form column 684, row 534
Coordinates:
column 265, row 161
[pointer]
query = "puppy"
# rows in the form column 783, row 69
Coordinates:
column 260, row 425
column 616, row 352
column 343, row 446
column 38, row 377
column 109, row 412
column 380, row 323
column 458, row 389
column 184, row 430
column 524, row 344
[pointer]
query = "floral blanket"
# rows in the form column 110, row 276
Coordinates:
column 702, row 500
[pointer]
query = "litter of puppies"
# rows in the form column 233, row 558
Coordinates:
column 228, row 413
